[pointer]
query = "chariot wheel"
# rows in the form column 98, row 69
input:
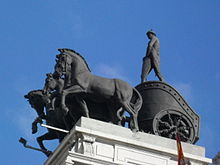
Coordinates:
column 168, row 122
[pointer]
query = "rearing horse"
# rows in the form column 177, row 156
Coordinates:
column 79, row 80
column 38, row 101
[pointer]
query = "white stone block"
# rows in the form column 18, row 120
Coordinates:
column 98, row 143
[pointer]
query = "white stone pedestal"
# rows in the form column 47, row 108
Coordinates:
column 98, row 143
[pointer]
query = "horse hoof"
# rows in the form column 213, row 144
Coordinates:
column 135, row 130
column 65, row 110
column 48, row 153
column 120, row 123
column 34, row 131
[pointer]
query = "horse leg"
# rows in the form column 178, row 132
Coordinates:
column 121, row 117
column 34, row 124
column 61, row 136
column 68, row 122
column 34, row 127
column 53, row 103
column 83, row 106
column 47, row 136
column 112, row 113
column 133, row 121
column 71, row 90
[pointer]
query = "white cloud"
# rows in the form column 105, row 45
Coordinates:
column 24, row 115
column 24, row 119
column 108, row 71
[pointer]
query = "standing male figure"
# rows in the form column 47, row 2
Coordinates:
column 152, row 58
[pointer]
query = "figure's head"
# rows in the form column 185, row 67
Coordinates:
column 150, row 34
column 50, row 83
column 53, row 83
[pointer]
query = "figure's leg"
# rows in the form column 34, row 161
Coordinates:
column 146, row 68
column 157, row 72
column 156, row 65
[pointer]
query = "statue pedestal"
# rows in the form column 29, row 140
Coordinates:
column 94, row 142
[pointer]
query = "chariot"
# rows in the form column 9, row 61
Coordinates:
column 164, row 112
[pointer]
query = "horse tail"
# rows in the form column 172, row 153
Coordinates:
column 136, row 101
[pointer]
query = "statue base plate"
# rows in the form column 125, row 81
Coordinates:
column 95, row 142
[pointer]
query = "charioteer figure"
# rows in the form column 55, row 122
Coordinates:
column 152, row 58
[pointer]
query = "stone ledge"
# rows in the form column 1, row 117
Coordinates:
column 96, row 142
column 125, row 134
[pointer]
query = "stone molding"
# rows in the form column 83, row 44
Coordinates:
column 99, row 143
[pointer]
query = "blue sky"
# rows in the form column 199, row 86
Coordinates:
column 111, row 37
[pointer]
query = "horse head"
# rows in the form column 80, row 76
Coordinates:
column 70, row 64
column 53, row 82
column 60, row 67
column 63, row 60
column 35, row 98
column 68, row 56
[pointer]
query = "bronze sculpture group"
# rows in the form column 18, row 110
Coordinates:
column 68, row 90
column 72, row 91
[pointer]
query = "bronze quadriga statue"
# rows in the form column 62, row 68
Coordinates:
column 164, row 112
column 73, row 91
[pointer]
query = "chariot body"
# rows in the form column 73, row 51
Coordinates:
column 164, row 112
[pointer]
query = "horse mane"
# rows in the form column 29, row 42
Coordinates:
column 72, row 52
column 36, row 92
